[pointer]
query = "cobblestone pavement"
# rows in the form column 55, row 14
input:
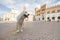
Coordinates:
column 35, row 31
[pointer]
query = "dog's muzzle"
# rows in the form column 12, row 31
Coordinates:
column 26, row 15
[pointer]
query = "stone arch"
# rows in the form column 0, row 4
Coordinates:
column 48, row 18
column 58, row 17
column 53, row 18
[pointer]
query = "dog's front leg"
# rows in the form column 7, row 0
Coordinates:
column 19, row 28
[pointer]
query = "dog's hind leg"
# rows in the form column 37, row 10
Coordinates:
column 17, row 28
column 21, row 28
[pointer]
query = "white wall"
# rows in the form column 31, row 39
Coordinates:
column 48, row 15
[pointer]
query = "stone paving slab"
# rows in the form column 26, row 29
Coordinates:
column 37, row 31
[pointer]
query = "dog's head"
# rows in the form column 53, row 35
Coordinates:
column 26, row 15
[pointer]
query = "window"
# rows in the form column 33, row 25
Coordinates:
column 59, row 17
column 53, row 11
column 58, row 11
column 53, row 18
column 8, row 18
column 42, row 13
column 48, row 18
column 38, row 14
column 48, row 12
column 43, row 9
column 42, row 18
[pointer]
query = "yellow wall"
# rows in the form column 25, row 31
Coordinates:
column 43, row 9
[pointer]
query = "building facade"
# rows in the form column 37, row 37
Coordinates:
column 8, row 17
column 11, row 16
column 48, row 14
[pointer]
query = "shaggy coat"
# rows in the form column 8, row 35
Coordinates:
column 20, row 19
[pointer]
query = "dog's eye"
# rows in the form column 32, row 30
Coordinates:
column 25, row 12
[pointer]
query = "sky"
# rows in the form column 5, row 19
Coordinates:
column 7, row 5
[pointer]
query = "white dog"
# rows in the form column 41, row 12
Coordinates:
column 20, row 20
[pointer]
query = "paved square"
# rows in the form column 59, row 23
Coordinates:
column 32, row 31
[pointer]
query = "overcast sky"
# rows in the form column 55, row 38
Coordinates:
column 7, row 5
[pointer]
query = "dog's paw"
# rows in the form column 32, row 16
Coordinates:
column 21, row 30
column 17, row 31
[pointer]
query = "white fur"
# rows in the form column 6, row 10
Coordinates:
column 20, row 20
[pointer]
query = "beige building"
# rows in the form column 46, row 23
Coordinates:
column 1, row 19
column 11, row 16
column 8, row 17
column 48, row 13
